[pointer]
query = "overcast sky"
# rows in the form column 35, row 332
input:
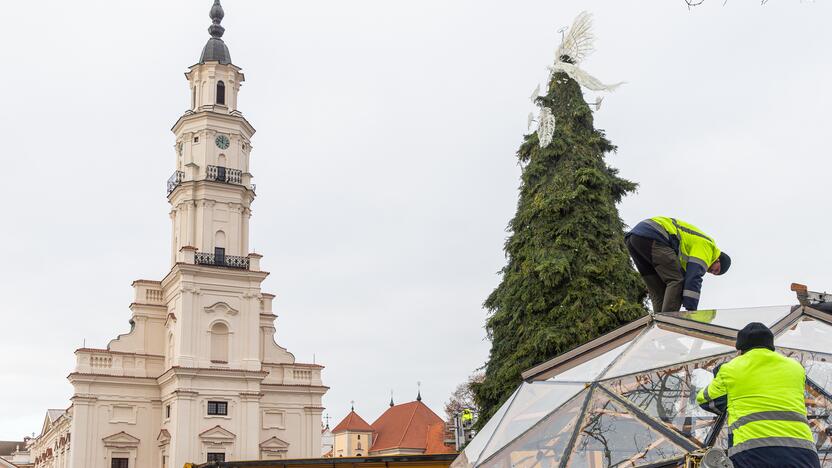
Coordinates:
column 385, row 166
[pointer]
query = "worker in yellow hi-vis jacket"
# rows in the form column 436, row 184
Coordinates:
column 672, row 256
column 767, row 421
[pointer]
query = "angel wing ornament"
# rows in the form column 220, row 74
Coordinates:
column 545, row 126
column 577, row 44
column 578, row 41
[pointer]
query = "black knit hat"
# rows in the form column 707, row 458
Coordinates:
column 755, row 335
column 724, row 263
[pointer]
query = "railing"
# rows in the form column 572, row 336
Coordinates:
column 153, row 295
column 100, row 361
column 230, row 261
column 224, row 174
column 175, row 180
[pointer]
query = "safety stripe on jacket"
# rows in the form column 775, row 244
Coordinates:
column 688, row 231
column 658, row 227
column 768, row 416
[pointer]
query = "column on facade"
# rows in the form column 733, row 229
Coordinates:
column 190, row 224
column 186, row 342
column 82, row 447
column 173, row 247
column 182, row 449
column 246, row 217
column 232, row 228
column 250, row 437
column 250, row 330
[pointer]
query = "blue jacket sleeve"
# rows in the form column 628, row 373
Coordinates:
column 693, row 283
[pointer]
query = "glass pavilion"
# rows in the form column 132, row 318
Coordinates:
column 628, row 398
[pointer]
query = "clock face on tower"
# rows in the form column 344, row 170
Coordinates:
column 222, row 142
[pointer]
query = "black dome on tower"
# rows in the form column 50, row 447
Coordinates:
column 216, row 50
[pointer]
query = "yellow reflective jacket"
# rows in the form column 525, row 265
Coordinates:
column 697, row 252
column 766, row 404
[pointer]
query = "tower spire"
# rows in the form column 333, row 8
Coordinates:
column 391, row 398
column 216, row 50
column 216, row 14
column 419, row 393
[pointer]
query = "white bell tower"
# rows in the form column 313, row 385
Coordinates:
column 199, row 377
column 211, row 191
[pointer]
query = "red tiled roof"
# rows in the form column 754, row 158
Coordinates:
column 410, row 426
column 353, row 422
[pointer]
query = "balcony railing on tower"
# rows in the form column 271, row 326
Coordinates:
column 175, row 180
column 224, row 174
column 213, row 259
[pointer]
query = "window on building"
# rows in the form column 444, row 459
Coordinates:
column 359, row 436
column 196, row 139
column 216, row 457
column 220, row 93
column 219, row 342
column 357, row 454
column 120, row 463
column 167, row 411
column 193, row 98
column 219, row 256
column 218, row 408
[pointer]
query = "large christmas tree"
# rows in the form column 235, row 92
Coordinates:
column 569, row 278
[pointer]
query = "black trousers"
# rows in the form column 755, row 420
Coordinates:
column 776, row 457
column 659, row 266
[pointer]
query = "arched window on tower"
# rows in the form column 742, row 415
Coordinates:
column 219, row 343
column 193, row 98
column 220, row 92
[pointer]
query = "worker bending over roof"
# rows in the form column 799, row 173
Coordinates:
column 672, row 256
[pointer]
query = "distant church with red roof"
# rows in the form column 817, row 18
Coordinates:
column 407, row 429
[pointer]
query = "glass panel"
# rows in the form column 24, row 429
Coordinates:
column 533, row 402
column 722, row 438
column 819, row 410
column 736, row 318
column 669, row 395
column 818, row 366
column 544, row 445
column 808, row 334
column 474, row 448
column 660, row 348
column 611, row 436
column 590, row 370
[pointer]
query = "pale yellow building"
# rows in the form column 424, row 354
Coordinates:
column 199, row 376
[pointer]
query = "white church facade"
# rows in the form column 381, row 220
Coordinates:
column 199, row 377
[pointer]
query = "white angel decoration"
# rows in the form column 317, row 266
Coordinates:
column 576, row 45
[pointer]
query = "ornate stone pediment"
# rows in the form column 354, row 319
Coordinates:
column 274, row 445
column 121, row 440
column 217, row 436
column 221, row 308
column 164, row 437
